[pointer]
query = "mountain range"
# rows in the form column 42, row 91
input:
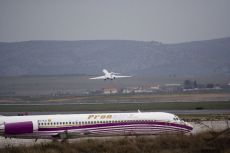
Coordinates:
column 89, row 57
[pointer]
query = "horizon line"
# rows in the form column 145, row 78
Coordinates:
column 60, row 40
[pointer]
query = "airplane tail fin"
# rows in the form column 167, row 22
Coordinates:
column 105, row 71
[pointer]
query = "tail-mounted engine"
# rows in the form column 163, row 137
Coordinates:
column 20, row 128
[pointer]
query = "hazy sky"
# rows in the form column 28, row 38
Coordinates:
column 167, row 21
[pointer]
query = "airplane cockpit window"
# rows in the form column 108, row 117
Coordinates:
column 176, row 118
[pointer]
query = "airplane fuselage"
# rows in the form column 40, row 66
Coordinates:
column 109, row 76
column 82, row 125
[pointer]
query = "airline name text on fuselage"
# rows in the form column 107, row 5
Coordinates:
column 100, row 117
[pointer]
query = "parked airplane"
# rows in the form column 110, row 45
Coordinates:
column 110, row 75
column 83, row 125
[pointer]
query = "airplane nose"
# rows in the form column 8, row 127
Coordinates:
column 189, row 125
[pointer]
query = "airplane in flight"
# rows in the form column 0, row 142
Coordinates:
column 69, row 126
column 109, row 76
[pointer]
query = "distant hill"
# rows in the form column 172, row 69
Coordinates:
column 208, row 57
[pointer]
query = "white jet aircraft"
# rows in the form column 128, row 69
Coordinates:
column 68, row 126
column 109, row 75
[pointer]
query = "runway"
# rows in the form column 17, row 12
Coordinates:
column 227, row 111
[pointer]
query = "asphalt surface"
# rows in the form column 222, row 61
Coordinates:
column 227, row 111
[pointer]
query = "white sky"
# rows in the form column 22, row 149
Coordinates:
column 167, row 21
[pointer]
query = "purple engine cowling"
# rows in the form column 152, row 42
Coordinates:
column 19, row 127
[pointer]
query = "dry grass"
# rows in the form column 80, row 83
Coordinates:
column 201, row 143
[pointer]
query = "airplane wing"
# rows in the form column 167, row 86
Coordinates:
column 100, row 77
column 121, row 76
